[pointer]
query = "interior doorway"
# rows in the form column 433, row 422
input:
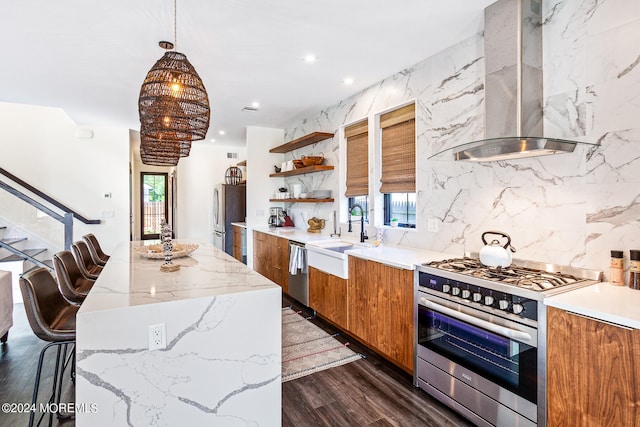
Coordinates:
column 154, row 203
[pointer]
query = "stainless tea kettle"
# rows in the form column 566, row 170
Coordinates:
column 494, row 254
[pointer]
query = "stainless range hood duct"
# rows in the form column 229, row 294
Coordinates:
column 513, row 86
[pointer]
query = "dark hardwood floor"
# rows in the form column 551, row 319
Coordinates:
column 18, row 363
column 368, row 392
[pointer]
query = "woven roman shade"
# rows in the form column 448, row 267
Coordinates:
column 357, row 159
column 399, row 150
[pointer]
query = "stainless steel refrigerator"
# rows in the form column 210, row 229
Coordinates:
column 229, row 205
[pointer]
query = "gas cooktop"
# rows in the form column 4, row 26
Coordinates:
column 526, row 275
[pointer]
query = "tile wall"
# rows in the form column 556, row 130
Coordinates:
column 569, row 208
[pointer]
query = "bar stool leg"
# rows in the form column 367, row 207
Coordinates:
column 57, row 380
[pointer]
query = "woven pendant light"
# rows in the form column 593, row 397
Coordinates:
column 173, row 106
column 160, row 158
column 159, row 146
column 173, row 101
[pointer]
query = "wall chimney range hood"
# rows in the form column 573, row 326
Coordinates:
column 513, row 87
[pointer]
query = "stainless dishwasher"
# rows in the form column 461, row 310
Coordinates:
column 298, row 274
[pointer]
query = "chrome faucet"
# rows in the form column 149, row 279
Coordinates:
column 363, row 234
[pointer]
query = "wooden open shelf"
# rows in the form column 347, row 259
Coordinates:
column 302, row 200
column 301, row 171
column 242, row 163
column 303, row 141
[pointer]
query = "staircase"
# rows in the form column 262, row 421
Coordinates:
column 18, row 258
column 16, row 255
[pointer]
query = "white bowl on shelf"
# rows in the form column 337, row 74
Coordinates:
column 321, row 194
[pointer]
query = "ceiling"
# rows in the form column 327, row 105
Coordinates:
column 89, row 58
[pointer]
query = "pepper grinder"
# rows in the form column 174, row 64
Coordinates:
column 634, row 269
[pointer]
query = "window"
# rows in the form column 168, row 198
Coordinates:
column 402, row 207
column 363, row 201
column 357, row 136
column 154, row 203
column 398, row 180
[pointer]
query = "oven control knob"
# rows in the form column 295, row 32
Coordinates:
column 503, row 304
column 488, row 300
column 517, row 308
column 466, row 293
column 446, row 288
column 477, row 297
column 455, row 291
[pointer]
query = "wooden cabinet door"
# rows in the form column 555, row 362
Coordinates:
column 282, row 262
column 271, row 258
column 279, row 260
column 380, row 309
column 395, row 333
column 262, row 254
column 328, row 296
column 237, row 243
column 362, row 306
column 593, row 372
column 258, row 247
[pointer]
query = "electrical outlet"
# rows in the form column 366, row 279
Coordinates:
column 157, row 336
column 432, row 225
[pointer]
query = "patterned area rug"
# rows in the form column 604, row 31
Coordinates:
column 307, row 349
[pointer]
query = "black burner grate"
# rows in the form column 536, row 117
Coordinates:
column 524, row 277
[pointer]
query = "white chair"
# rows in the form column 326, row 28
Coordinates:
column 6, row 305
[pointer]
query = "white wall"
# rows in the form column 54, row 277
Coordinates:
column 40, row 146
column 260, row 188
column 196, row 177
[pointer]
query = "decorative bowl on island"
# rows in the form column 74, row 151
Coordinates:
column 157, row 251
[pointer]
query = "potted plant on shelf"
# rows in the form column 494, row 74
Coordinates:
column 394, row 222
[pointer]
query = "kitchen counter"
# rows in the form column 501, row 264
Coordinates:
column 292, row 233
column 240, row 224
column 603, row 301
column 395, row 256
column 222, row 359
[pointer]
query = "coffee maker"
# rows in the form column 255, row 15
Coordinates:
column 276, row 217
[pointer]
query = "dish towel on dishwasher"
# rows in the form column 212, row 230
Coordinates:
column 297, row 259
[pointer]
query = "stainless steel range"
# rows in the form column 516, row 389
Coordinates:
column 481, row 336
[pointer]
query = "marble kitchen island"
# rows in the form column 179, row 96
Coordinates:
column 222, row 361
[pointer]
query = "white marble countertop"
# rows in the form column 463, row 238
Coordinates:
column 395, row 256
column 616, row 304
column 129, row 280
column 240, row 224
column 292, row 233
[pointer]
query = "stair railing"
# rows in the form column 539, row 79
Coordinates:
column 66, row 218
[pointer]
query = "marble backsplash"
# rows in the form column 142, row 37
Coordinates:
column 567, row 209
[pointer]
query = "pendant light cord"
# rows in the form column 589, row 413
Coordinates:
column 175, row 25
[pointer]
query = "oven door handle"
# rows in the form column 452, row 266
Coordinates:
column 500, row 330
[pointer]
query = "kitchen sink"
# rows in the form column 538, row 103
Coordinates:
column 329, row 255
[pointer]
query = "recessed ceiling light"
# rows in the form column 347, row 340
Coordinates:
column 310, row 58
column 255, row 104
column 348, row 80
column 212, row 140
column 221, row 132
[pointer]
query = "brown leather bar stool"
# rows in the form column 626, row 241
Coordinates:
column 53, row 319
column 97, row 255
column 88, row 268
column 72, row 284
